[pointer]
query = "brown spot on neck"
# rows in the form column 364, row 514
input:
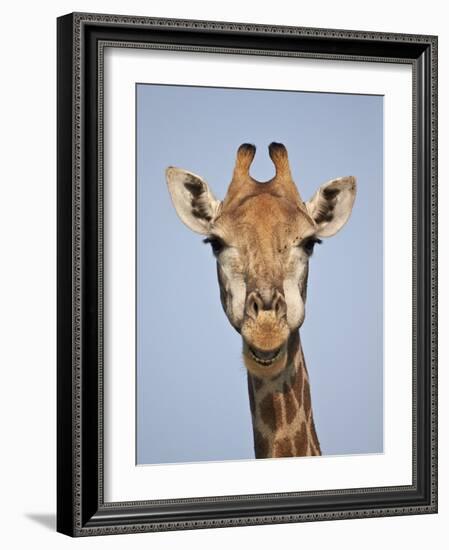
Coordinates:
column 296, row 383
column 307, row 399
column 261, row 446
column 301, row 440
column 315, row 441
column 252, row 404
column 283, row 448
column 291, row 404
column 271, row 411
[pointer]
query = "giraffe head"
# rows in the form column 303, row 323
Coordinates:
column 262, row 236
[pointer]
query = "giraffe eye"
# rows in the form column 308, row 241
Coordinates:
column 216, row 243
column 309, row 244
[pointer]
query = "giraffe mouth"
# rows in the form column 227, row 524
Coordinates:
column 264, row 363
column 265, row 358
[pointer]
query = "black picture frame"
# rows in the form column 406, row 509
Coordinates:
column 81, row 510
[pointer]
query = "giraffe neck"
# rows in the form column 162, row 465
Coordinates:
column 281, row 409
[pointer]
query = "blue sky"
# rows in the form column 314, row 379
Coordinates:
column 192, row 401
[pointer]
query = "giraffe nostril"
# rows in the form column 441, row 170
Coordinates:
column 254, row 305
column 255, row 308
column 280, row 307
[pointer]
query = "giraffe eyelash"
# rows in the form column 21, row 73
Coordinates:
column 309, row 244
column 216, row 243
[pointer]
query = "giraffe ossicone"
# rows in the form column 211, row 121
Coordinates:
column 262, row 235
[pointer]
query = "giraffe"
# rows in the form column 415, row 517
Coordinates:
column 262, row 235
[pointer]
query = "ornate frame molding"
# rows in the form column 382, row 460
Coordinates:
column 81, row 41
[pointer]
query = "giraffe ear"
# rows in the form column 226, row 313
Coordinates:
column 331, row 205
column 193, row 200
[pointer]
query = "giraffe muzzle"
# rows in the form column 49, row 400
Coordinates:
column 265, row 337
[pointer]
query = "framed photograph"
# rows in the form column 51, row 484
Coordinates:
column 247, row 279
